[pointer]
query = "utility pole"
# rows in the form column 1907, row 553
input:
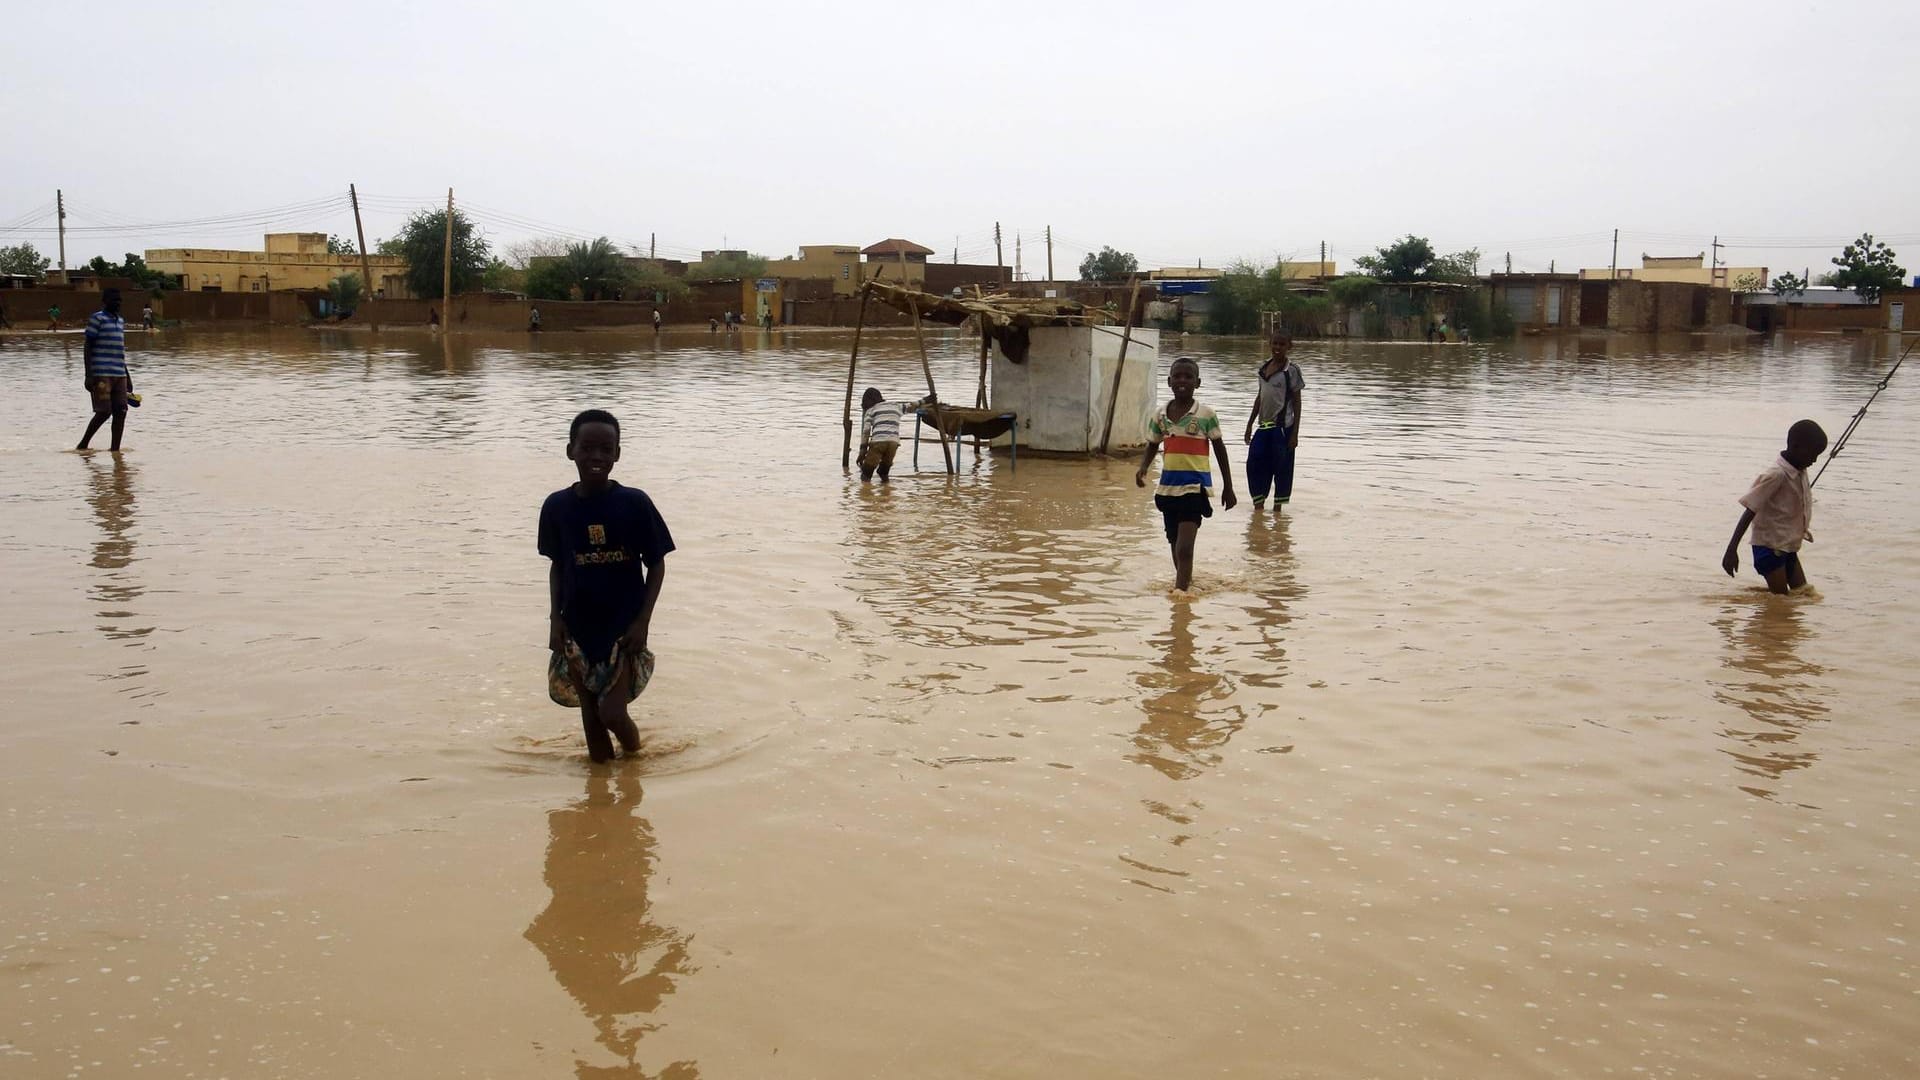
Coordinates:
column 999, row 259
column 446, row 272
column 1613, row 268
column 956, row 251
column 1550, row 265
column 652, row 238
column 1049, row 253
column 60, row 201
column 366, row 269
column 1714, row 270
column 1509, row 262
column 1016, row 257
column 1323, row 258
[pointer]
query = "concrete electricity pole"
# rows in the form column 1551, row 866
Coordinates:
column 999, row 257
column 1049, row 253
column 60, row 202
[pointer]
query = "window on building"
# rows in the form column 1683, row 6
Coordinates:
column 256, row 286
column 846, row 271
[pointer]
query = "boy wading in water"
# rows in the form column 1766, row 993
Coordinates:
column 609, row 547
column 109, row 383
column 1273, row 428
column 1780, row 509
column 1185, row 428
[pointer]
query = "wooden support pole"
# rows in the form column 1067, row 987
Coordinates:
column 853, row 361
column 986, row 351
column 1120, row 366
column 939, row 418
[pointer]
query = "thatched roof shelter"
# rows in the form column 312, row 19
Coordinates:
column 994, row 311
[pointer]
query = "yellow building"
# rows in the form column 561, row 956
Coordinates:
column 838, row 263
column 1688, row 269
column 291, row 261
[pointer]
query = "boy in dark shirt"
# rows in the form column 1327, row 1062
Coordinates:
column 609, row 546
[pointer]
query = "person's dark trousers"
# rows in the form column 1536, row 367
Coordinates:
column 1270, row 464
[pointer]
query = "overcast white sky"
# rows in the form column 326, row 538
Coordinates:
column 1175, row 131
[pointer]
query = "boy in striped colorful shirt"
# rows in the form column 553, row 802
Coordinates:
column 108, row 381
column 1185, row 428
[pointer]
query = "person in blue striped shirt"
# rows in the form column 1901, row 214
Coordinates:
column 108, row 381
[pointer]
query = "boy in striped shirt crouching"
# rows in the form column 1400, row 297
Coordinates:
column 1185, row 428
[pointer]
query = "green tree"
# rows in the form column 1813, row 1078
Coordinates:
column 728, row 268
column 344, row 291
column 598, row 269
column 389, row 246
column 1247, row 290
column 1867, row 267
column 23, row 259
column 1749, row 283
column 1407, row 259
column 422, row 243
column 337, row 246
column 592, row 271
column 1789, row 282
column 133, row 268
column 500, row 277
column 1108, row 265
column 1461, row 266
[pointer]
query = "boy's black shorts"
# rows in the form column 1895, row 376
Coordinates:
column 1178, row 508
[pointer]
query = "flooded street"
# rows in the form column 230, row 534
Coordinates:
column 1473, row 764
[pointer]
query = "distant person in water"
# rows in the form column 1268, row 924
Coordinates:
column 1273, row 428
column 53, row 317
column 109, row 383
column 609, row 547
column 146, row 316
column 1185, row 428
column 766, row 319
column 656, row 320
column 533, row 320
column 1779, row 507
column 713, row 325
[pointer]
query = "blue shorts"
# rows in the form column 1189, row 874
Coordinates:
column 1766, row 560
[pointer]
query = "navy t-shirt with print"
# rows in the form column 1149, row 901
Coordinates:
column 600, row 542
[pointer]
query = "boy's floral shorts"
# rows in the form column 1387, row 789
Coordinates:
column 599, row 676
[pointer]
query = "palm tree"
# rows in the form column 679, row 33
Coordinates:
column 597, row 268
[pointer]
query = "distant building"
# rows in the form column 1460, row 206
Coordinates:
column 838, row 263
column 290, row 261
column 1291, row 271
column 1690, row 269
column 906, row 261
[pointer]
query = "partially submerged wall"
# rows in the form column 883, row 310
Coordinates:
column 1062, row 390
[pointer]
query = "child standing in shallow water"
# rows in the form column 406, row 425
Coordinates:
column 609, row 547
column 1276, row 412
column 1185, row 428
column 1779, row 506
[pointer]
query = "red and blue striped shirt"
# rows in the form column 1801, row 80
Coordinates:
column 1186, row 465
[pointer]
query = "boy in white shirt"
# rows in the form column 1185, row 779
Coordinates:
column 1779, row 506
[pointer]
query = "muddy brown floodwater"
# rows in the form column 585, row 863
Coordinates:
column 1473, row 764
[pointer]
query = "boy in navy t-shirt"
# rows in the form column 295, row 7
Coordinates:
column 609, row 546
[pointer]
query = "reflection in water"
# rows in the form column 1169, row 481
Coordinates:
column 597, row 933
column 1190, row 716
column 1007, row 563
column 110, row 494
column 1275, row 590
column 1773, row 685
